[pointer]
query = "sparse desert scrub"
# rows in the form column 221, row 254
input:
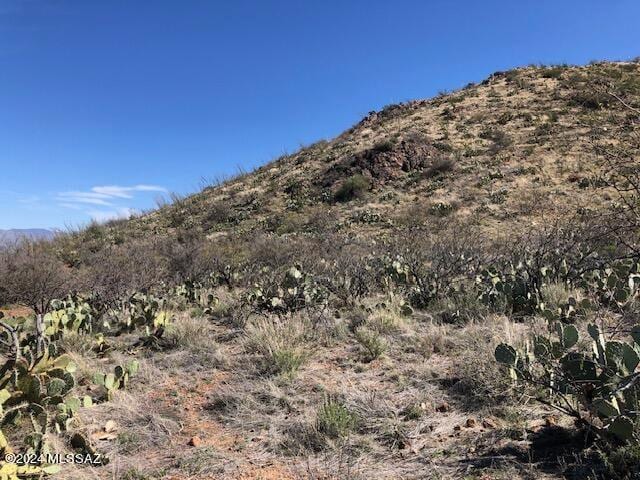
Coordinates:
column 373, row 344
column 196, row 336
column 306, row 359
column 334, row 419
column 482, row 384
column 281, row 343
column 352, row 188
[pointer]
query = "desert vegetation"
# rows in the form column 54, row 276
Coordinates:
column 395, row 303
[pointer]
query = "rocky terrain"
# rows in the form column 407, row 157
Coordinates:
column 400, row 302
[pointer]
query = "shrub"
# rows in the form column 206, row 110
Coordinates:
column 334, row 419
column 591, row 99
column 439, row 166
column 553, row 72
column 218, row 213
column 33, row 276
column 353, row 187
column 287, row 361
column 347, row 273
column 383, row 146
column 499, row 139
column 280, row 344
column 374, row 345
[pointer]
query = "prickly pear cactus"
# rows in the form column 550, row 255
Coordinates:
column 73, row 314
column 144, row 311
column 117, row 380
column 295, row 291
column 198, row 294
column 616, row 285
column 516, row 288
column 600, row 387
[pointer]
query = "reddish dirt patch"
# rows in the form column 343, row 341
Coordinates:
column 188, row 403
column 264, row 473
column 16, row 311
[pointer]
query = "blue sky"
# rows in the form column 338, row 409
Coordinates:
column 106, row 105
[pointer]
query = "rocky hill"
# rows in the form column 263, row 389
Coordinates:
column 367, row 307
column 515, row 150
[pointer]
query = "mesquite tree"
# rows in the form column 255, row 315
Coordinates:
column 32, row 276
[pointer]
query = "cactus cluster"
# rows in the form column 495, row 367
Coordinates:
column 198, row 294
column 12, row 471
column 515, row 288
column 599, row 387
column 117, row 380
column 615, row 285
column 35, row 391
column 37, row 380
column 36, row 386
column 296, row 291
column 145, row 311
column 423, row 287
column 518, row 287
column 73, row 314
column 397, row 270
column 568, row 311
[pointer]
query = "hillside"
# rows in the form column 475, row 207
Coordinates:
column 487, row 154
column 449, row 289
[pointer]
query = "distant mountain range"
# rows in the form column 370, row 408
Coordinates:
column 8, row 236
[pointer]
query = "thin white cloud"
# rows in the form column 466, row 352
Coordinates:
column 73, row 206
column 126, row 192
column 111, row 196
column 29, row 200
column 105, row 195
column 90, row 198
column 106, row 215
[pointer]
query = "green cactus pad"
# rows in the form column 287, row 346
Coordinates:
column 622, row 427
column 506, row 354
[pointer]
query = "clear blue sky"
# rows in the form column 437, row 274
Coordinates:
column 105, row 105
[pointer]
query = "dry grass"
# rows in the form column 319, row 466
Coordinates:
column 556, row 295
column 280, row 343
column 238, row 395
column 402, row 415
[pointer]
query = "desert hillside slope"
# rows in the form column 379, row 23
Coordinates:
column 448, row 290
column 515, row 150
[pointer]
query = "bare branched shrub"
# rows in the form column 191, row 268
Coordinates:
column 346, row 269
column 436, row 263
column 32, row 276
column 119, row 270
